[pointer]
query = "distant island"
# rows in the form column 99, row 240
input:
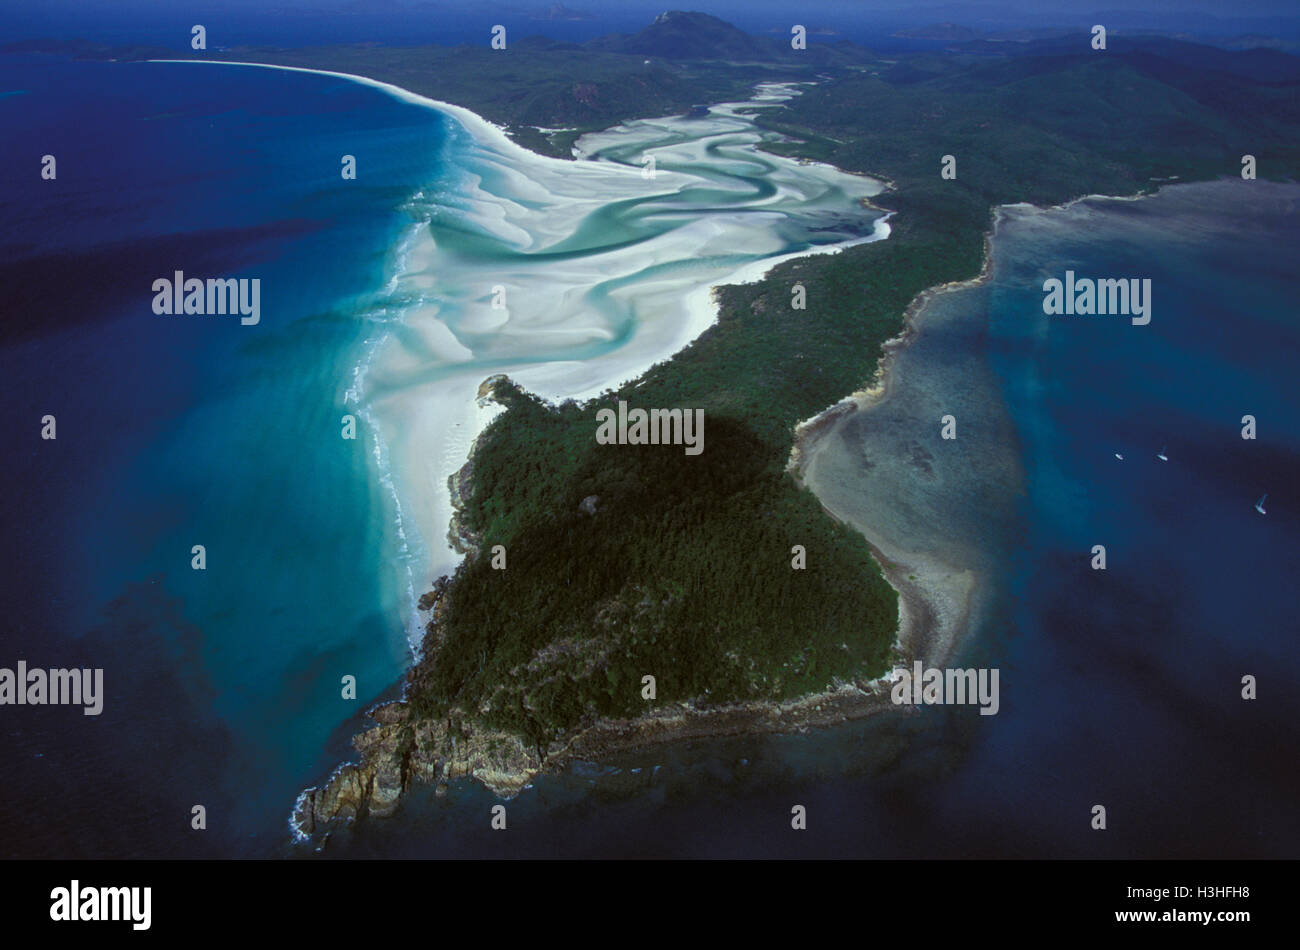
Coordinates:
column 558, row 11
column 939, row 31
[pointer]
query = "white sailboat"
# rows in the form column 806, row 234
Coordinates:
column 1118, row 456
column 1259, row 505
column 1161, row 454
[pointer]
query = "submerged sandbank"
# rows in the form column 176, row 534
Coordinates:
column 878, row 462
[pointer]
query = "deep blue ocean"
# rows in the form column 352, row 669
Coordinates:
column 223, row 686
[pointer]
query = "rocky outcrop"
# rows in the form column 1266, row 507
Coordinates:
column 487, row 390
column 460, row 484
column 431, row 599
column 402, row 749
column 459, row 536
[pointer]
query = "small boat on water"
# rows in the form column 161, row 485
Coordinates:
column 1259, row 505
column 1161, row 454
column 1118, row 456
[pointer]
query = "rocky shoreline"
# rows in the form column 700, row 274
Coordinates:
column 402, row 750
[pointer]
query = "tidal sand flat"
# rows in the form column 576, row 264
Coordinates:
column 573, row 277
column 925, row 464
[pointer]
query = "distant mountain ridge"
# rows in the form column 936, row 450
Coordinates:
column 685, row 36
column 558, row 11
column 949, row 32
column 677, row 34
column 1256, row 64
